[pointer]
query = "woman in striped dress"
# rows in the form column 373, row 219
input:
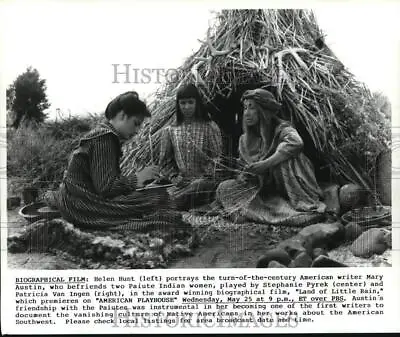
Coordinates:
column 94, row 193
column 190, row 150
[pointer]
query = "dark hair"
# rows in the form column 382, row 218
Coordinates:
column 190, row 91
column 130, row 103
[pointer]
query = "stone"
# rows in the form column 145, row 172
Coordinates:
column 329, row 235
column 13, row 202
column 109, row 256
column 331, row 198
column 156, row 244
column 130, row 252
column 277, row 255
column 294, row 246
column 352, row 231
column 323, row 261
column 318, row 252
column 275, row 264
column 88, row 253
column 100, row 251
column 302, row 260
column 388, row 239
column 350, row 196
column 370, row 242
column 167, row 251
column 181, row 250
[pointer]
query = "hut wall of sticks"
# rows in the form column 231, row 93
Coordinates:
column 284, row 51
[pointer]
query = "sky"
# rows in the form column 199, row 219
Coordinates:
column 75, row 44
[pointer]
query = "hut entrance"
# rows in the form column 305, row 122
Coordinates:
column 227, row 113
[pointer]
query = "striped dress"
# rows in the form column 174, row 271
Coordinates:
column 94, row 194
column 188, row 156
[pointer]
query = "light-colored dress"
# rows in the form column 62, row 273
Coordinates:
column 189, row 152
column 287, row 194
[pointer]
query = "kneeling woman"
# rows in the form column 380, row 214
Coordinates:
column 278, row 185
column 190, row 150
column 94, row 193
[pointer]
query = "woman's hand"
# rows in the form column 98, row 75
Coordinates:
column 179, row 181
column 244, row 177
column 258, row 168
column 147, row 174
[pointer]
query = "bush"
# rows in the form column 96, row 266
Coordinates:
column 38, row 154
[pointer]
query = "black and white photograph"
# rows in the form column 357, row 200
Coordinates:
column 193, row 138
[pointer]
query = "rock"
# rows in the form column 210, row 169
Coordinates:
column 331, row 198
column 327, row 235
column 150, row 264
column 350, row 196
column 352, row 231
column 88, row 253
column 275, row 264
column 370, row 242
column 107, row 241
column 318, row 252
column 294, row 246
column 99, row 251
column 388, row 239
column 148, row 255
column 302, row 260
column 326, row 262
column 130, row 252
column 181, row 250
column 167, row 251
column 322, row 234
column 13, row 202
column 277, row 255
column 109, row 256
column 156, row 243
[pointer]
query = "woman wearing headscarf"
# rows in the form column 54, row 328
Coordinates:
column 94, row 193
column 277, row 185
column 190, row 150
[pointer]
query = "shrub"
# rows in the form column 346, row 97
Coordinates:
column 38, row 154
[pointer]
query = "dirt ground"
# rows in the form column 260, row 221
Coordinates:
column 223, row 245
column 229, row 249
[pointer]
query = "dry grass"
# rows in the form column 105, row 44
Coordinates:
column 37, row 154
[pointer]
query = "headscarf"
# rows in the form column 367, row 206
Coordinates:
column 264, row 98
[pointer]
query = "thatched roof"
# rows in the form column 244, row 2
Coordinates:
column 283, row 50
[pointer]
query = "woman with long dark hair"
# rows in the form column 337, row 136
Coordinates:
column 277, row 185
column 189, row 151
